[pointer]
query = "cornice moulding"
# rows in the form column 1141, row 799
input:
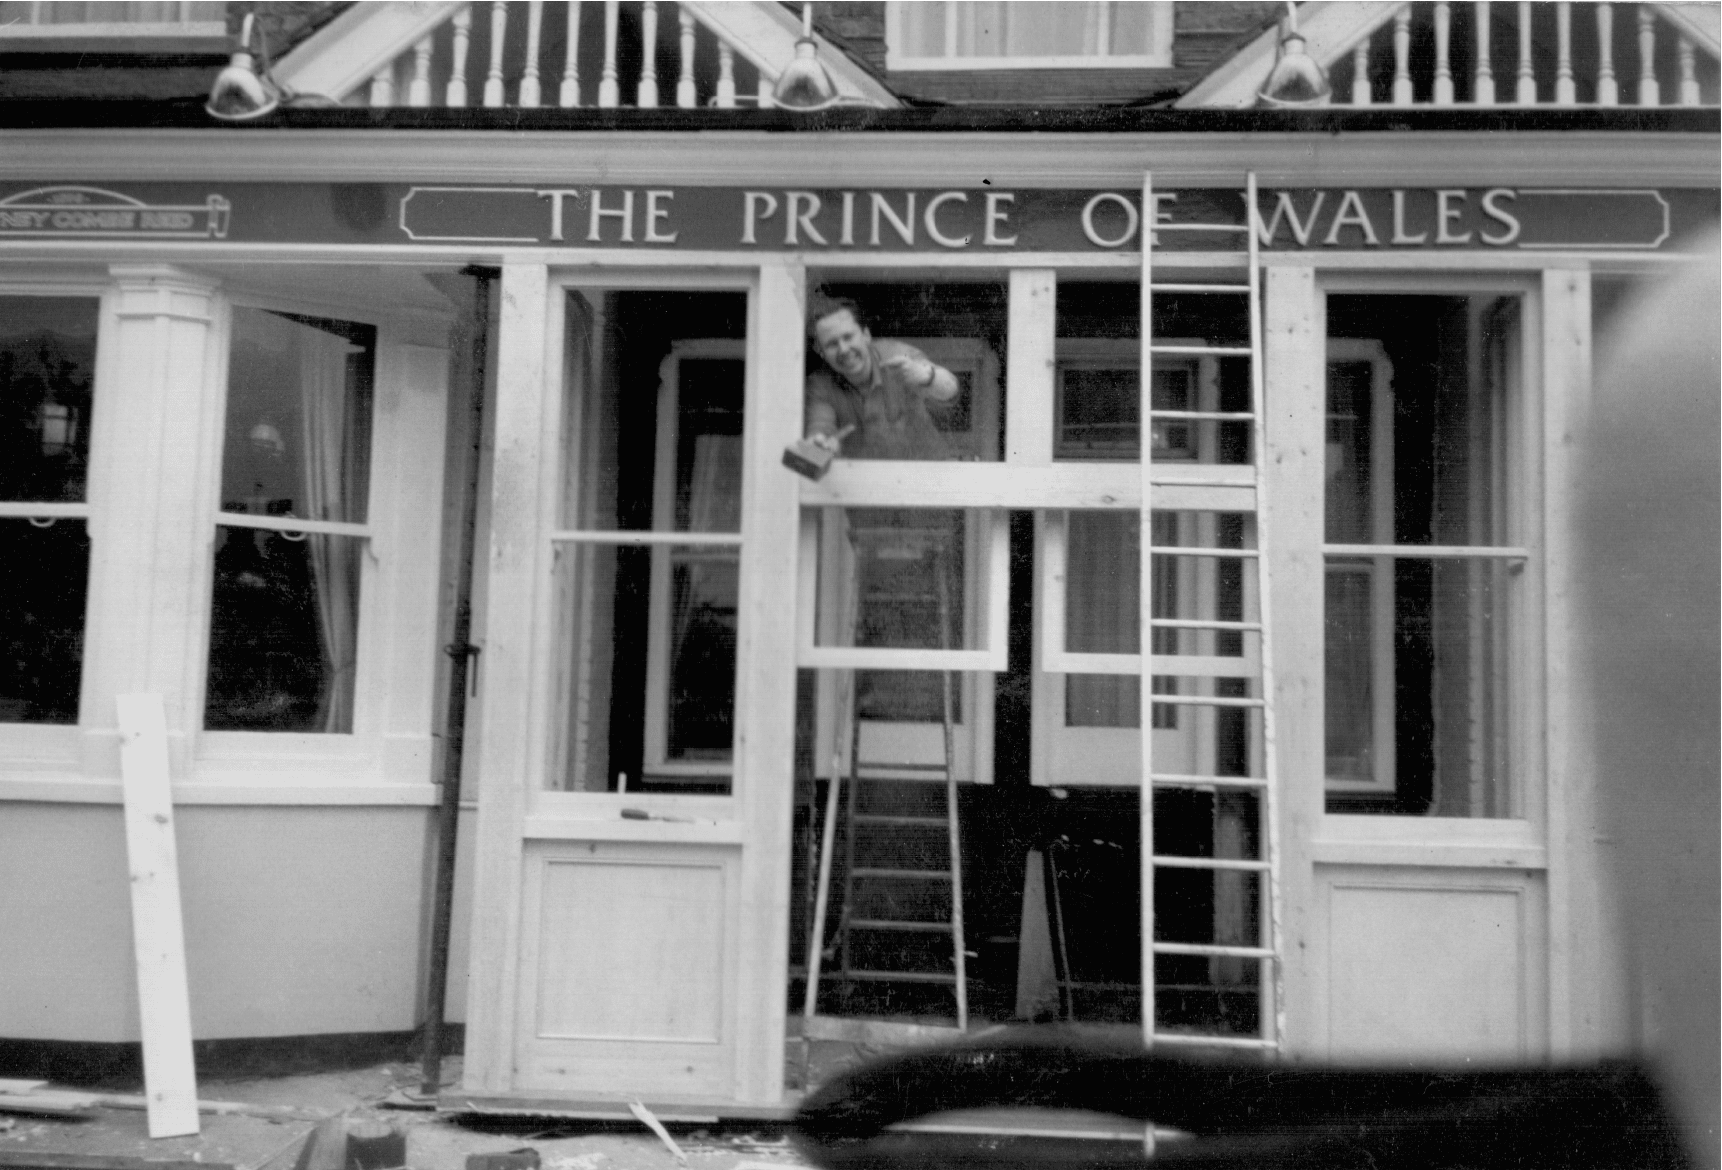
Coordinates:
column 861, row 159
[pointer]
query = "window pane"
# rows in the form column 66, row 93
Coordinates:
column 1025, row 28
column 43, row 574
column 47, row 375
column 284, row 631
column 285, row 605
column 646, row 648
column 1096, row 393
column 298, row 437
column 1420, row 394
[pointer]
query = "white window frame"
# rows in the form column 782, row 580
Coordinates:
column 656, row 760
column 390, row 740
column 896, row 60
column 1522, row 525
column 141, row 37
column 55, row 747
column 986, row 550
column 1383, row 725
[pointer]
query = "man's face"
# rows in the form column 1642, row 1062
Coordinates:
column 846, row 346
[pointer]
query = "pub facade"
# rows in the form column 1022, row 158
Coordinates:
column 476, row 379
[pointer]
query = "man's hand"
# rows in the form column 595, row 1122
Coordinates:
column 829, row 443
column 918, row 372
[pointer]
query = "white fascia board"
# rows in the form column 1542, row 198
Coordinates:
column 865, row 159
column 765, row 34
column 1330, row 28
column 342, row 55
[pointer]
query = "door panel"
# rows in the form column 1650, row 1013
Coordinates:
column 1431, row 965
column 627, row 976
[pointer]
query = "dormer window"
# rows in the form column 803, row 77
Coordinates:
column 67, row 26
column 1028, row 34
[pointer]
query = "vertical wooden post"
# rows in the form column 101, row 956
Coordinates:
column 1649, row 92
column 419, row 89
column 530, row 92
column 1483, row 86
column 161, row 376
column 1294, row 364
column 1688, row 72
column 1564, row 350
column 1360, row 95
column 646, row 97
column 462, row 23
column 498, row 35
column 520, row 513
column 158, row 928
column 1526, row 92
column 1607, row 88
column 726, row 77
column 765, row 672
column 1443, row 92
column 685, row 96
column 1402, row 91
column 383, row 86
column 1566, row 93
column 1030, row 354
column 570, row 92
column 609, row 91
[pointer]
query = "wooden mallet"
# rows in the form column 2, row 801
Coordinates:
column 806, row 457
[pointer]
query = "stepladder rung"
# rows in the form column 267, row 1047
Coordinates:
column 1240, row 865
column 891, row 819
column 905, row 925
column 1213, row 950
column 900, row 976
column 1204, row 350
column 910, row 875
column 1197, row 287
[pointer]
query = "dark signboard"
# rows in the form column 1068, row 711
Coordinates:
column 774, row 219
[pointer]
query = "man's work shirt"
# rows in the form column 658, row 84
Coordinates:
column 892, row 419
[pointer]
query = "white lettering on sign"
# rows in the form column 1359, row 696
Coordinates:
column 995, row 217
column 1285, row 209
column 1131, row 220
column 932, row 220
column 654, row 213
column 1492, row 208
column 1351, row 214
column 904, row 226
column 751, row 214
column 1445, row 213
column 802, row 207
column 556, row 195
column 1400, row 236
column 625, row 213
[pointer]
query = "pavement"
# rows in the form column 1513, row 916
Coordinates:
column 433, row 1141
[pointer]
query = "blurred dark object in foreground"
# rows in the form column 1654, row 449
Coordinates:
column 1241, row 1113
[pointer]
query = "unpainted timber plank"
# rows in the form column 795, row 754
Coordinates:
column 158, row 928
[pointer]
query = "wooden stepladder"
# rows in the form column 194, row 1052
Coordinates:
column 1217, row 663
column 902, row 881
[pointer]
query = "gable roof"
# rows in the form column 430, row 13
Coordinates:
column 1334, row 29
column 343, row 59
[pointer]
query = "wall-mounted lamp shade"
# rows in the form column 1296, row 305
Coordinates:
column 1296, row 79
column 240, row 93
column 805, row 84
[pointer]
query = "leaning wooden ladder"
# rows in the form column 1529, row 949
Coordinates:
column 874, row 885
column 1259, row 679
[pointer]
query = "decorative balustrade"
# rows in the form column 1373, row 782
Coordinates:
column 529, row 53
column 1528, row 54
